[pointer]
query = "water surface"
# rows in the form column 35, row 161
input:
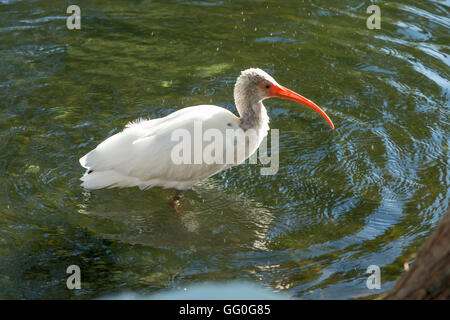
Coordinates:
column 366, row 193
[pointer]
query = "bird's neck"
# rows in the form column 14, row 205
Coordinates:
column 253, row 116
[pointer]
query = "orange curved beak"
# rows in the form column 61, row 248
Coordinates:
column 285, row 93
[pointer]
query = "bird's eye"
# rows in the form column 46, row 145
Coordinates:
column 267, row 86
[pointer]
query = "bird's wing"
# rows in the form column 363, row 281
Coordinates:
column 143, row 151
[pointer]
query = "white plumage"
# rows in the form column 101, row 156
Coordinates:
column 140, row 155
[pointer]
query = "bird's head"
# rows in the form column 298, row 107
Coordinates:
column 255, row 85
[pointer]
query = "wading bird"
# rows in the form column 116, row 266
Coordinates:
column 142, row 154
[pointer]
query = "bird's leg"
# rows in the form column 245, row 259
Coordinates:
column 175, row 203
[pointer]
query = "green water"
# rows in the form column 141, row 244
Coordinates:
column 369, row 192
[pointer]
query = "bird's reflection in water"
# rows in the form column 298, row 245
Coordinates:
column 211, row 220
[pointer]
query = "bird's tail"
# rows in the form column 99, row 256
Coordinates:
column 105, row 179
column 98, row 179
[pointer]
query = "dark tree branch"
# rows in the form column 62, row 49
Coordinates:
column 429, row 276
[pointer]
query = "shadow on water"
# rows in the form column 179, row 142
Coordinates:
column 211, row 220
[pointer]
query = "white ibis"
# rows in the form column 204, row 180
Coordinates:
column 140, row 155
